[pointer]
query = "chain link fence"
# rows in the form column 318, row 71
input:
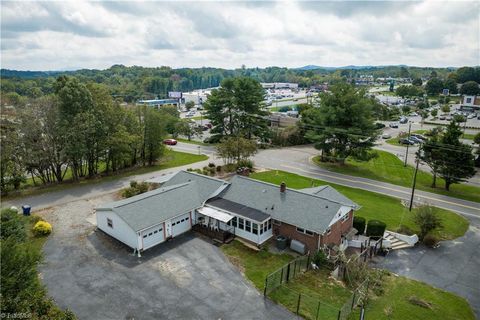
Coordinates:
column 286, row 273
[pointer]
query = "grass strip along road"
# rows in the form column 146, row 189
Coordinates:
column 389, row 168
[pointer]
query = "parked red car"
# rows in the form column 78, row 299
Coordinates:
column 170, row 142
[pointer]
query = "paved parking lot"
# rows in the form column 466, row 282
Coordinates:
column 188, row 278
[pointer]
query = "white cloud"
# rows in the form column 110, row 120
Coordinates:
column 74, row 34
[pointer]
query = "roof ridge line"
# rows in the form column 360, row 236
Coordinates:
column 160, row 191
column 203, row 176
column 293, row 190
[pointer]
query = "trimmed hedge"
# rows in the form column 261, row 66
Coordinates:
column 359, row 224
column 375, row 228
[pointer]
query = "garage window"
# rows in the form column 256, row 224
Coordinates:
column 110, row 223
column 144, row 235
column 186, row 219
column 173, row 223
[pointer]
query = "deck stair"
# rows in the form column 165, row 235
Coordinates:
column 396, row 242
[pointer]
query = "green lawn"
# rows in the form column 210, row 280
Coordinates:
column 468, row 136
column 171, row 159
column 374, row 205
column 316, row 286
column 256, row 265
column 394, row 303
column 389, row 168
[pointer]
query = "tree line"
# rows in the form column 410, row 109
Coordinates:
column 79, row 131
column 128, row 84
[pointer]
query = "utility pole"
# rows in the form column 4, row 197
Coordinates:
column 408, row 144
column 413, row 184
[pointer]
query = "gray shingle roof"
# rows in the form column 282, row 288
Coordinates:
column 208, row 185
column 295, row 207
column 153, row 207
column 241, row 209
column 330, row 193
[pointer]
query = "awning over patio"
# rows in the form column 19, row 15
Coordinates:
column 215, row 214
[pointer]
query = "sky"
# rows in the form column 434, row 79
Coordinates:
column 69, row 35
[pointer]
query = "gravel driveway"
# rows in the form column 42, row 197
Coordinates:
column 98, row 278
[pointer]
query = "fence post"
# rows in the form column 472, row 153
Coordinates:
column 288, row 271
column 295, row 268
column 339, row 313
column 298, row 302
column 353, row 300
column 266, row 284
column 281, row 276
column 318, row 310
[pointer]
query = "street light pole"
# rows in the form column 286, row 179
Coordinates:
column 413, row 184
column 408, row 139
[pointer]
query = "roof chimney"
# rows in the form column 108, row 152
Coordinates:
column 283, row 187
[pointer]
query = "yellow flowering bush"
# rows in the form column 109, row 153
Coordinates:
column 42, row 228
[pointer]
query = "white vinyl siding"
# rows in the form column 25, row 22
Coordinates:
column 119, row 229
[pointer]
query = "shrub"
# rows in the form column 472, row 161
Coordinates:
column 430, row 240
column 245, row 163
column 212, row 171
column 219, row 168
column 11, row 225
column 376, row 228
column 211, row 165
column 35, row 218
column 142, row 187
column 320, row 258
column 129, row 192
column 359, row 224
column 133, row 184
column 427, row 220
column 42, row 228
column 230, row 167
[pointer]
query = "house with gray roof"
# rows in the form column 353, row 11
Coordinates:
column 250, row 209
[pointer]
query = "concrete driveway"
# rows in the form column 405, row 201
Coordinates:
column 454, row 266
column 188, row 278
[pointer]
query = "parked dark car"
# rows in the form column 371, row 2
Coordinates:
column 170, row 142
column 379, row 125
column 405, row 141
column 403, row 120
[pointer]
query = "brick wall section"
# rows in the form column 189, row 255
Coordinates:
column 291, row 232
column 340, row 227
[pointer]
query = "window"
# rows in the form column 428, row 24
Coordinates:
column 345, row 217
column 186, row 219
column 160, row 230
column 255, row 228
column 328, row 231
column 234, row 222
column 156, row 231
column 144, row 235
column 149, row 234
column 275, row 222
column 304, row 231
column 173, row 224
column 110, row 223
column 247, row 225
column 469, row 100
column 269, row 224
column 240, row 223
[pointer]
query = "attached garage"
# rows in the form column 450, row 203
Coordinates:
column 181, row 224
column 148, row 219
column 153, row 236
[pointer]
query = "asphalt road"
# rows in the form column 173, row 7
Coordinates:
column 293, row 159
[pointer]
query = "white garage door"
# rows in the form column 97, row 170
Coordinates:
column 180, row 224
column 152, row 236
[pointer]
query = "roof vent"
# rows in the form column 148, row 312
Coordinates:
column 326, row 206
column 273, row 206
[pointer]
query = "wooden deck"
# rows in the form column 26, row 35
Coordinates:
column 217, row 235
